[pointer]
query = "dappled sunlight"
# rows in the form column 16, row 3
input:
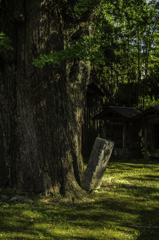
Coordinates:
column 127, row 199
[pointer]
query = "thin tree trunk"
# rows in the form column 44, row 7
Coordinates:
column 139, row 71
column 128, row 74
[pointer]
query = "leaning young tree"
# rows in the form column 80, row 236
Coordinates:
column 41, row 111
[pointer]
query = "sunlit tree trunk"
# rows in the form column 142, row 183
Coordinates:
column 41, row 111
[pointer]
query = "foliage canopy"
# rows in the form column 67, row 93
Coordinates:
column 123, row 47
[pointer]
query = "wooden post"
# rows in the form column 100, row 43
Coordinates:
column 146, row 157
column 124, row 136
column 152, row 137
column 105, row 130
column 112, row 132
column 98, row 127
column 130, row 135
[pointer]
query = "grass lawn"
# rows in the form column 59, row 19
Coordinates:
column 126, row 207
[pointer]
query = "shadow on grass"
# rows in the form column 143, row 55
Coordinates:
column 129, row 165
column 111, row 212
column 144, row 178
column 149, row 219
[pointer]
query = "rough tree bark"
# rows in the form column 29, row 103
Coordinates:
column 41, row 111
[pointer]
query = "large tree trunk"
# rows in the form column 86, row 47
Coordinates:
column 41, row 111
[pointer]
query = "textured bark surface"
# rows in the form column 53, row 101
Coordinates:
column 41, row 110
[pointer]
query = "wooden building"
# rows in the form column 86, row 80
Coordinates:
column 95, row 101
column 119, row 127
column 150, row 120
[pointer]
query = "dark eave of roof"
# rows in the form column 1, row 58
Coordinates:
column 97, row 86
column 152, row 110
column 114, row 112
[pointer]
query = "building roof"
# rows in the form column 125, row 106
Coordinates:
column 152, row 110
column 95, row 85
column 117, row 113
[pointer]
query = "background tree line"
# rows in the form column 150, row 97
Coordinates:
column 130, row 32
column 123, row 49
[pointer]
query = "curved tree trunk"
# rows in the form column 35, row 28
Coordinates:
column 41, row 112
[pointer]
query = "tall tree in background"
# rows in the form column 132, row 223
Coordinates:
column 129, row 28
column 41, row 112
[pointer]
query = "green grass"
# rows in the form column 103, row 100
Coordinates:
column 129, row 196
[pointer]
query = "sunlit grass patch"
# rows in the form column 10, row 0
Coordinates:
column 128, row 197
